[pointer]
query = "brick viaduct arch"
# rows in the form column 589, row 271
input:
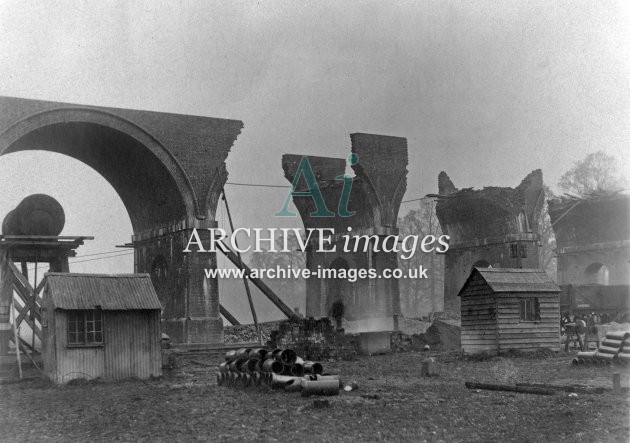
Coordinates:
column 168, row 170
column 592, row 232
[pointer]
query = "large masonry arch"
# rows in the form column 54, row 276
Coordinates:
column 168, row 169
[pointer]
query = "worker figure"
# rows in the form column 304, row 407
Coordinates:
column 580, row 330
column 337, row 313
column 592, row 333
column 564, row 320
column 575, row 331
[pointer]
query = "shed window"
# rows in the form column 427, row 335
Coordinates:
column 530, row 309
column 85, row 327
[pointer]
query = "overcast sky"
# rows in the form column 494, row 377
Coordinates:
column 487, row 91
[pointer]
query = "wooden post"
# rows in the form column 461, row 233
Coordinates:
column 34, row 302
column 240, row 260
column 17, row 342
column 616, row 379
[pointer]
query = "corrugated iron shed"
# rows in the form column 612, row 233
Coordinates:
column 118, row 292
column 516, row 280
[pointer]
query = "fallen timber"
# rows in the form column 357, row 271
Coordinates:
column 510, row 388
column 578, row 389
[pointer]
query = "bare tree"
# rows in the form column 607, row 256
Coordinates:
column 421, row 295
column 596, row 172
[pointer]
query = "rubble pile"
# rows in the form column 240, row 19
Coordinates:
column 314, row 339
column 247, row 333
column 401, row 342
column 445, row 315
column 277, row 369
column 412, row 326
column 441, row 335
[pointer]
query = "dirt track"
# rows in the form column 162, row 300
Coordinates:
column 394, row 403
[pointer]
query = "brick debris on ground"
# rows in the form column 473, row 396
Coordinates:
column 247, row 333
column 393, row 403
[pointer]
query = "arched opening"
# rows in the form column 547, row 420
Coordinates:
column 91, row 205
column 340, row 292
column 521, row 221
column 596, row 274
column 134, row 170
column 145, row 185
column 167, row 170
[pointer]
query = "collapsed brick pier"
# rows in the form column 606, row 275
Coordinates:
column 494, row 226
column 377, row 190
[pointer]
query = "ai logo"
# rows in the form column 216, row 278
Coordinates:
column 314, row 192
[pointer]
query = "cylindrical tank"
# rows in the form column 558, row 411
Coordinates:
column 11, row 224
column 37, row 214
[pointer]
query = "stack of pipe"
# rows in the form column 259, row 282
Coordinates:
column 277, row 369
column 624, row 355
column 615, row 348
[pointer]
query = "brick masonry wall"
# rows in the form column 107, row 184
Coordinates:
column 482, row 224
column 314, row 340
column 377, row 190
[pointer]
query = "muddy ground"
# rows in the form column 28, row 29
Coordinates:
column 394, row 403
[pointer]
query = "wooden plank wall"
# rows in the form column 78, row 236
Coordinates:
column 478, row 311
column 529, row 336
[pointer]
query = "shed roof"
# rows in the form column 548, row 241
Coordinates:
column 514, row 280
column 114, row 292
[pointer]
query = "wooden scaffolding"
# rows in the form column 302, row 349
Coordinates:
column 17, row 294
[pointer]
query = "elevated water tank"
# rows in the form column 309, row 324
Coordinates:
column 37, row 214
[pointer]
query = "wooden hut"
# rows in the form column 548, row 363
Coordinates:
column 100, row 326
column 504, row 309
